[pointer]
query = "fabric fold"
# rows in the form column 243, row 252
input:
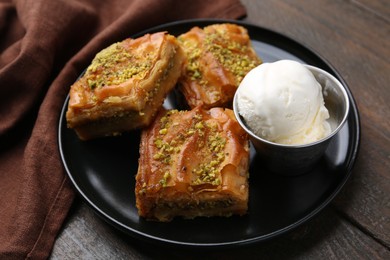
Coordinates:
column 44, row 46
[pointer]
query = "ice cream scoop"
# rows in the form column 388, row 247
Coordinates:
column 282, row 102
column 293, row 159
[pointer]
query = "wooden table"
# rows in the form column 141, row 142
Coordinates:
column 354, row 36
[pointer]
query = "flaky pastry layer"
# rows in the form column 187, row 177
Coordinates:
column 193, row 163
column 218, row 57
column 125, row 86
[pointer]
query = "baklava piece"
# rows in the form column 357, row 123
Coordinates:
column 218, row 57
column 193, row 163
column 125, row 86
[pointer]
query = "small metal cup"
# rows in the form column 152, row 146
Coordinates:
column 299, row 159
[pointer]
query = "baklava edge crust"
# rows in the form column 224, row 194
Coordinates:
column 193, row 163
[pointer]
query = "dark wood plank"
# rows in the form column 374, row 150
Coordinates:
column 356, row 42
column 378, row 7
column 354, row 36
column 86, row 236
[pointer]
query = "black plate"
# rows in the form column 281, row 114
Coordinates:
column 103, row 171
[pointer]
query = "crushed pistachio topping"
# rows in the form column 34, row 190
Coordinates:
column 209, row 172
column 165, row 149
column 165, row 178
column 115, row 65
column 143, row 189
column 206, row 172
column 193, row 54
column 232, row 55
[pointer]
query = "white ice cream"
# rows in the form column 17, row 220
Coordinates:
column 282, row 102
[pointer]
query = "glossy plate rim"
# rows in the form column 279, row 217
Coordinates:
column 354, row 116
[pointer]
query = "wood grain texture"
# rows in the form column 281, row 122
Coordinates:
column 86, row 236
column 378, row 7
column 354, row 36
column 325, row 237
column 357, row 43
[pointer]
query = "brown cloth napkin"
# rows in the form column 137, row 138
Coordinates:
column 44, row 46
